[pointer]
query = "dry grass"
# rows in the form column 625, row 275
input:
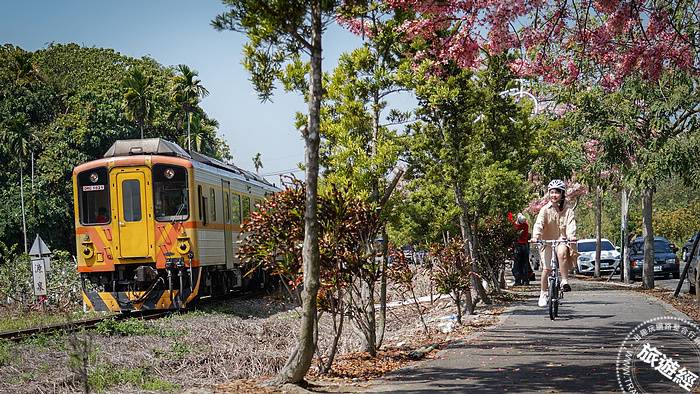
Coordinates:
column 228, row 350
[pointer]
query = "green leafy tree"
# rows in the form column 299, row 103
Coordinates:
column 428, row 213
column 477, row 143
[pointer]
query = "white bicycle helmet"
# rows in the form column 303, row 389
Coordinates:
column 557, row 184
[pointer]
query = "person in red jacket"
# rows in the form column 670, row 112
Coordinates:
column 521, row 265
column 102, row 216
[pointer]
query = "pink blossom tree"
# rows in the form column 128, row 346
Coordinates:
column 570, row 41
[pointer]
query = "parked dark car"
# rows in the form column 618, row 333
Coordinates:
column 665, row 260
column 692, row 270
column 687, row 246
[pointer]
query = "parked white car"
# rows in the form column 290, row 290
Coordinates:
column 609, row 257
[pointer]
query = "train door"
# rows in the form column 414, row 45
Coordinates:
column 134, row 239
column 228, row 225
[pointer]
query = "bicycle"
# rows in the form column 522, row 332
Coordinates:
column 554, row 291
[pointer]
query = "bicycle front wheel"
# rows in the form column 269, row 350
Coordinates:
column 552, row 301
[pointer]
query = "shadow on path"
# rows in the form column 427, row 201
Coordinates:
column 528, row 352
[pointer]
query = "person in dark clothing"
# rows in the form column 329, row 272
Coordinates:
column 521, row 263
column 102, row 216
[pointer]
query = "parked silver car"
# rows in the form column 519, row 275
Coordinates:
column 609, row 257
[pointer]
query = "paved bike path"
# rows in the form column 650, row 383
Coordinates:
column 527, row 352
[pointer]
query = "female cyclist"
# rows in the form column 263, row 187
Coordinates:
column 555, row 221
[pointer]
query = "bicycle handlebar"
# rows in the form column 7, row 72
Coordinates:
column 552, row 242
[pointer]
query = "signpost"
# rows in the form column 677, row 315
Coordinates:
column 41, row 264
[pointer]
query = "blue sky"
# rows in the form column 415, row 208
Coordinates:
column 174, row 32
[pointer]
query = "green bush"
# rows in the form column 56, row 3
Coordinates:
column 123, row 328
column 62, row 281
column 105, row 377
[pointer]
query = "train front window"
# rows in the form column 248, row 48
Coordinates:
column 93, row 196
column 131, row 198
column 170, row 193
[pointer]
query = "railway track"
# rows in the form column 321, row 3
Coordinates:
column 73, row 326
column 76, row 325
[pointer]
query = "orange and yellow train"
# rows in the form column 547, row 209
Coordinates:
column 156, row 226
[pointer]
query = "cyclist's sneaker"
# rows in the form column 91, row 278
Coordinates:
column 543, row 298
column 565, row 285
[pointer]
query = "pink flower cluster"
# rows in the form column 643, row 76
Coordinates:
column 566, row 41
column 359, row 26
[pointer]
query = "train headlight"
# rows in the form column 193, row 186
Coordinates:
column 169, row 173
column 184, row 247
column 94, row 177
column 88, row 252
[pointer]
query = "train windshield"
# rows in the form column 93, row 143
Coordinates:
column 170, row 193
column 93, row 196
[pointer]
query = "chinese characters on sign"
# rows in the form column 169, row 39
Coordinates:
column 39, row 274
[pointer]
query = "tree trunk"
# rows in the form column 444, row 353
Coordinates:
column 464, row 229
column 648, row 233
column 476, row 256
column 24, row 215
column 378, row 337
column 382, row 291
column 626, row 271
column 598, row 236
column 370, row 325
column 300, row 361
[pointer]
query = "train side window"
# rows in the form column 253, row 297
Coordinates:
column 236, row 208
column 246, row 207
column 212, row 207
column 93, row 196
column 203, row 206
column 227, row 208
column 257, row 202
column 131, row 200
column 199, row 200
column 170, row 193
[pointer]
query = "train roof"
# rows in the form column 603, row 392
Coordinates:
column 159, row 146
column 146, row 146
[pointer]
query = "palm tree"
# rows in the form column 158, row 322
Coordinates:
column 185, row 90
column 257, row 163
column 18, row 141
column 138, row 103
column 22, row 68
column 203, row 133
